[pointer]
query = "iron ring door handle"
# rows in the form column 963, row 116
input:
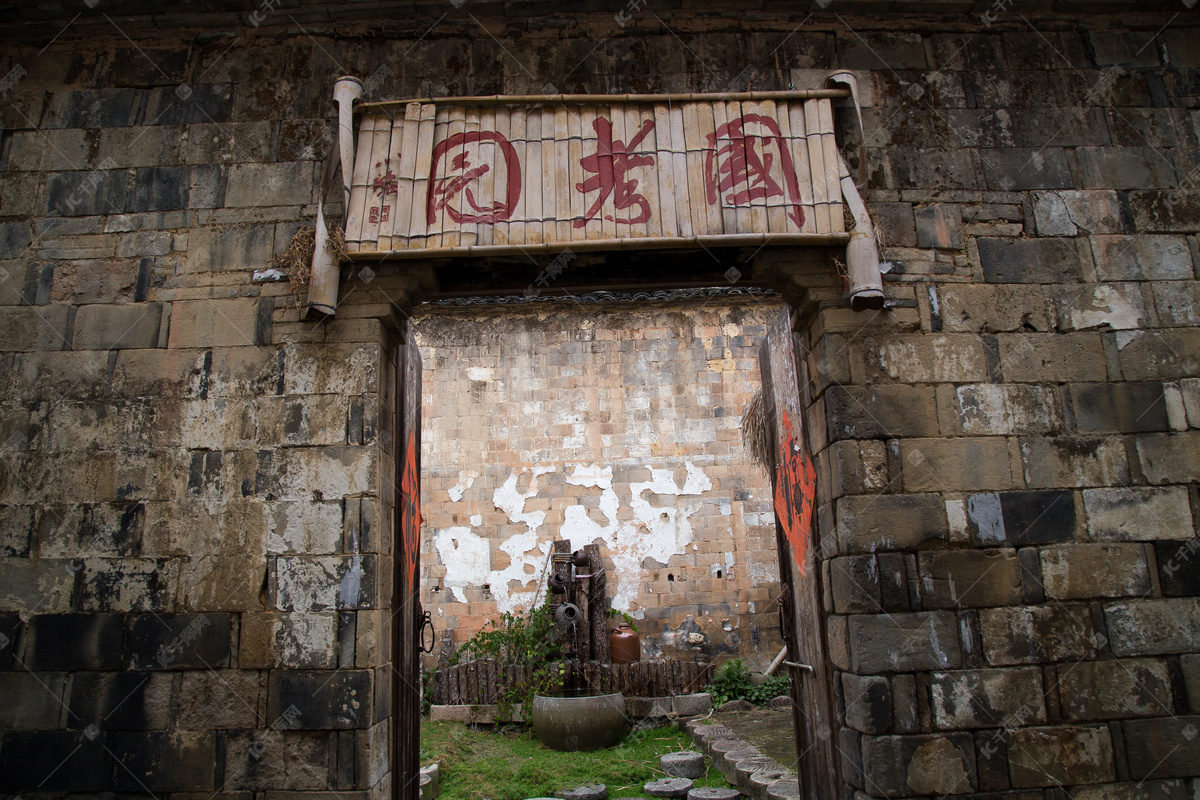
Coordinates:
column 426, row 623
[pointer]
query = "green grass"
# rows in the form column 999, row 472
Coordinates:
column 478, row 764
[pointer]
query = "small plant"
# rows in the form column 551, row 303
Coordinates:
column 731, row 681
column 613, row 614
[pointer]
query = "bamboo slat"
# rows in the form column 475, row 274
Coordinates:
column 389, row 201
column 798, row 130
column 664, row 171
column 816, row 158
column 833, row 178
column 380, row 165
column 358, row 183
column 531, row 194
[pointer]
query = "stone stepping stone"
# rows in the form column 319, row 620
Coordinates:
column 684, row 764
column 668, row 787
column 786, row 789
column 744, row 768
column 761, row 780
column 736, row 705
column 589, row 791
column 713, row 793
column 703, row 734
column 781, row 703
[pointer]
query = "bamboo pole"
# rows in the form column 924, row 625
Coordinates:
column 588, row 99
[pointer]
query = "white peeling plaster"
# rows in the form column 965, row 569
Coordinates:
column 466, row 558
column 476, row 520
column 479, row 373
column 466, row 479
column 351, row 586
column 1109, row 308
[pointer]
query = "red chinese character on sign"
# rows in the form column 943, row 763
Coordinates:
column 386, row 183
column 376, row 215
column 610, row 162
column 795, row 490
column 460, row 178
column 746, row 159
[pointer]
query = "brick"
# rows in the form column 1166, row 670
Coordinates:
column 48, row 151
column 179, row 761
column 1094, row 690
column 1170, row 457
column 919, row 167
column 219, row 700
column 891, row 522
column 266, row 760
column 1080, row 571
column 15, row 238
column 895, row 224
column 169, row 188
column 227, row 248
column 1178, row 568
column 122, row 701
column 83, row 194
column 1118, row 407
column 1152, row 627
column 901, row 766
column 988, row 698
column 1020, row 169
column 207, row 102
column 323, row 700
column 51, row 761
column 992, row 308
column 988, row 409
column 316, row 583
column 294, row 640
column 940, row 226
column 94, row 281
column 855, row 584
column 1143, row 790
column 101, row 108
column 1074, row 461
column 904, row 642
column 1124, row 168
column 868, row 703
column 1037, row 357
column 1069, row 213
column 31, row 701
column 878, row 50
column 101, row 529
column 880, row 411
column 1165, row 210
column 1177, row 304
column 963, row 464
column 117, row 327
column 1112, row 306
column 1159, row 355
column 38, row 328
column 1162, row 748
column 177, row 641
column 969, row 578
column 921, row 358
column 128, row 584
column 229, row 143
column 29, row 585
column 856, row 467
column 214, row 323
column 1061, row 755
column 1037, row 634
column 140, row 146
column 1142, row 258
column 270, row 184
column 1138, row 514
column 74, row 642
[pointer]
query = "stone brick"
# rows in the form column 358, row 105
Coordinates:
column 15, row 238
column 220, row 700
column 988, row 698
column 894, row 223
column 904, row 642
column 1150, row 627
column 1142, row 790
column 922, row 358
column 31, row 585
column 31, row 701
column 1058, row 756
column 1094, row 690
column 165, row 762
column 140, row 146
column 128, row 584
column 1124, row 168
column 1142, row 258
column 1019, row 169
column 177, row 641
column 92, row 108
column 1030, row 261
column 965, row 464
column 1177, row 304
column 323, row 583
column 330, row 369
column 1118, row 407
column 1081, row 571
column 1069, row 213
column 283, row 760
column 289, row 184
column 225, row 248
column 10, row 632
column 323, row 700
column 868, row 703
column 207, row 102
column 856, row 467
column 1138, row 514
column 48, row 151
column 918, row 167
column 878, row 50
column 38, row 328
column 74, row 642
column 295, row 640
column 992, row 308
column 52, row 761
column 1178, row 567
column 103, row 529
column 83, row 194
column 1165, row 210
column 890, row 522
column 880, row 411
column 214, row 323
column 121, row 701
column 117, row 327
column 940, row 226
column 1074, row 461
column 1162, row 748
column 1037, row 634
column 902, row 766
column 231, row 142
column 1112, row 306
column 1170, row 457
column 94, row 281
column 854, row 581
column 988, row 409
column 1038, row 357
column 969, row 578
column 1164, row 354
column 168, row 188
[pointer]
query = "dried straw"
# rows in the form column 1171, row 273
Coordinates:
column 756, row 436
column 296, row 260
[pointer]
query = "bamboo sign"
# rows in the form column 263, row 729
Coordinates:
column 559, row 173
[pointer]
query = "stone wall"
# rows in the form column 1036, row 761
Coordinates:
column 194, row 480
column 617, row 423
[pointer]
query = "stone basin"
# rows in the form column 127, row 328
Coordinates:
column 579, row 723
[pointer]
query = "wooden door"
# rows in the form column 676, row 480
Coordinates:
column 406, row 598
column 802, row 617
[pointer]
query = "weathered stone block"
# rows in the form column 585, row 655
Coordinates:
column 288, row 183
column 131, row 701
column 988, row 698
column 1177, row 303
column 1058, row 756
column 117, row 327
column 92, row 108
column 74, row 642
column 1068, row 213
column 277, row 758
column 15, row 238
column 1178, row 567
column 177, row 641
column 314, row 420
column 868, row 702
column 880, row 411
column 1142, row 790
column 230, row 248
column 85, row 194
column 40, row 328
column 1081, row 571
column 128, row 584
column 1037, row 357
column 143, row 146
column 854, row 581
column 43, row 585
column 339, row 700
column 969, row 578
column 220, row 700
column 1020, row 169
column 988, row 409
column 894, row 223
column 207, row 102
column 964, row 464
column 992, row 308
column 1124, row 168
column 214, row 323
column 161, row 188
column 921, row 358
column 1138, row 514
column 1170, row 457
column 1112, row 306
column 1030, row 261
column 1092, row 690
column 890, row 522
column 1142, row 258
column 1052, row 462
column 1151, row 627
column 940, row 226
column 165, row 762
column 1119, row 407
column 1164, row 354
column 52, row 761
column 49, row 151
column 856, row 467
column 1168, row 747
column 1037, row 634
column 904, row 642
column 31, row 701
column 347, row 369
column 902, row 766
column 1024, row 517
column 878, row 50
